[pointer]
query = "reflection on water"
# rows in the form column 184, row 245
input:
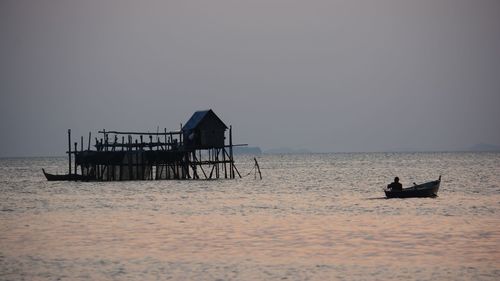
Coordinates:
column 315, row 217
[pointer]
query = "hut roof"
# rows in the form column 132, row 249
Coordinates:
column 198, row 117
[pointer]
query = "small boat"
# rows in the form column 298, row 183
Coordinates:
column 67, row 177
column 428, row 189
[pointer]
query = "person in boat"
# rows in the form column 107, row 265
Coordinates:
column 396, row 185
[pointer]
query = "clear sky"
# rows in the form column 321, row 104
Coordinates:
column 330, row 76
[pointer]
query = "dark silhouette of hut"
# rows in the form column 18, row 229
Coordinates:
column 204, row 130
column 199, row 150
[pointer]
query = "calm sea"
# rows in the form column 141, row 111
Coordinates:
column 312, row 217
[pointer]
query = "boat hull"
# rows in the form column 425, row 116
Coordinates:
column 67, row 177
column 429, row 189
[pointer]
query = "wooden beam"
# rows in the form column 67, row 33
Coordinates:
column 139, row 133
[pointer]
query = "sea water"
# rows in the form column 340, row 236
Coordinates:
column 311, row 217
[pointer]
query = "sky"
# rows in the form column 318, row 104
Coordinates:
column 323, row 75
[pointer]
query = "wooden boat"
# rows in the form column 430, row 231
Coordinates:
column 428, row 189
column 66, row 177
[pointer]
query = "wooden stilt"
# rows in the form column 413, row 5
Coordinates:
column 231, row 159
column 76, row 144
column 224, row 162
column 257, row 168
column 69, row 150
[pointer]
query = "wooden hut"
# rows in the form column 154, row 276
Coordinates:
column 204, row 130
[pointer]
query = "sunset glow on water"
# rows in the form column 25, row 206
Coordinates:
column 313, row 216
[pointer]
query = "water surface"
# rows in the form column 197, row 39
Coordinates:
column 312, row 217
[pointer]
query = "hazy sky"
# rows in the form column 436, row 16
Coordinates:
column 326, row 75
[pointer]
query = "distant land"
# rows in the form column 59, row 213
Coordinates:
column 484, row 147
column 254, row 150
column 287, row 150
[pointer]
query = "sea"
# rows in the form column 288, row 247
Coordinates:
column 311, row 217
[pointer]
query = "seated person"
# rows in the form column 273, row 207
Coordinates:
column 395, row 186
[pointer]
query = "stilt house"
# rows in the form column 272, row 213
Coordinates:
column 198, row 151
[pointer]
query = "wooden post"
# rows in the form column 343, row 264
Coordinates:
column 185, row 166
column 69, row 150
column 171, row 140
column 76, row 144
column 166, row 147
column 217, row 163
column 121, row 161
column 181, row 137
column 90, row 135
column 136, row 160
column 104, row 137
column 81, row 151
column 224, row 162
column 193, row 165
column 231, row 159
column 129, row 158
column 257, row 168
column 106, row 140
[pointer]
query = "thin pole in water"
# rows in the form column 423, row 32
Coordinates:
column 69, row 150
